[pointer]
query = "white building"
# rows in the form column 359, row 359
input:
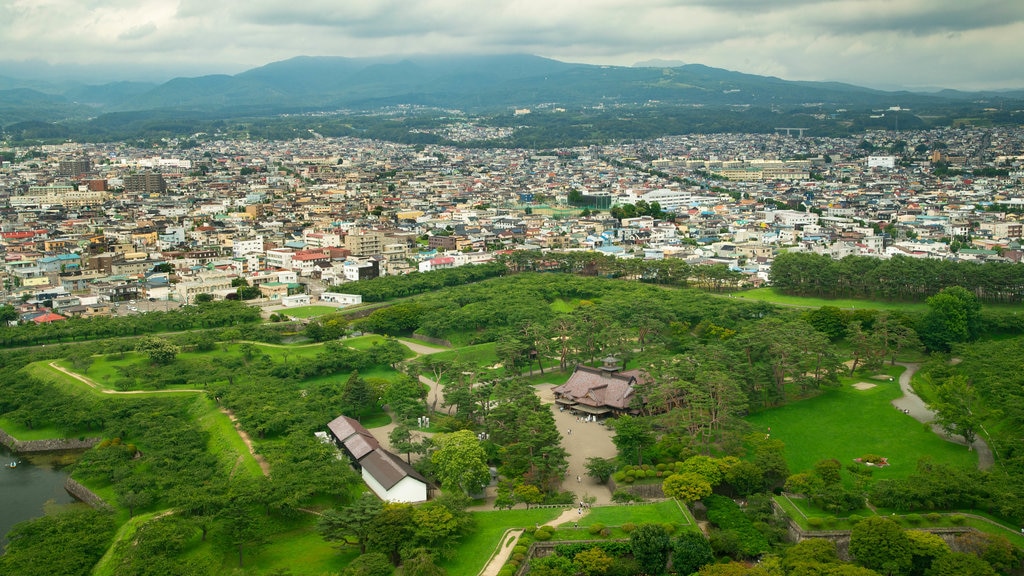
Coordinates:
column 387, row 475
column 341, row 299
column 881, row 161
column 241, row 248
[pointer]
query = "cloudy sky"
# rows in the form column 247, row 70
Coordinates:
column 920, row 44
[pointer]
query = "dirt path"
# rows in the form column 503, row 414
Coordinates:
column 96, row 386
column 918, row 410
column 264, row 465
column 421, row 348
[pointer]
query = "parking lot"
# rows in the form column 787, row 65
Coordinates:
column 142, row 305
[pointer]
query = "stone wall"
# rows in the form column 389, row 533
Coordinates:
column 56, row 445
column 84, row 494
column 842, row 537
column 34, row 446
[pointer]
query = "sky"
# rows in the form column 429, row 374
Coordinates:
column 913, row 44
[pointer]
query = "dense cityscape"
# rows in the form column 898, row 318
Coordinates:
column 89, row 227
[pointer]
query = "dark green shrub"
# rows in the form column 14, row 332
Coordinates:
column 628, row 527
column 815, row 522
column 727, row 515
column 595, row 529
column 933, row 517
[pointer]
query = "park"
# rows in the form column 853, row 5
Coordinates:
column 205, row 437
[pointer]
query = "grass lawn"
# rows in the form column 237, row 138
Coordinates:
column 477, row 546
column 560, row 306
column 22, row 433
column 550, row 376
column 660, row 512
column 109, row 563
column 301, row 552
column 770, row 295
column 308, row 311
column 482, row 355
column 224, row 441
column 847, row 423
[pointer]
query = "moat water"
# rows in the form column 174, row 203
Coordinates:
column 35, row 482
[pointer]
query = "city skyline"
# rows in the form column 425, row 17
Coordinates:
column 912, row 44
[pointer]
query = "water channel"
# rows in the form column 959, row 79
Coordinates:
column 28, row 486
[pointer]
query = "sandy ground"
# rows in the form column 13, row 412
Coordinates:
column 587, row 440
column 864, row 385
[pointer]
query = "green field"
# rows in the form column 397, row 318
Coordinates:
column 771, row 295
column 846, row 423
column 308, row 311
column 660, row 512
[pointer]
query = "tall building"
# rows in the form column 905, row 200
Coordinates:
column 73, row 168
column 147, row 182
column 365, row 242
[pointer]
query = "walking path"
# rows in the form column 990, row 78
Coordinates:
column 96, row 385
column 505, row 547
column 264, row 465
column 917, row 409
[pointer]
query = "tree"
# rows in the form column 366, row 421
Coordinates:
column 132, row 500
column 881, row 544
column 690, row 552
column 7, row 314
column 631, row 436
column 957, row 408
column 925, row 549
column 961, row 564
column 954, row 316
column 745, row 478
column 460, row 461
column 355, row 395
column 356, row 521
column 421, row 563
column 687, row 486
column 593, row 562
column 650, row 546
column 391, row 531
column 600, row 469
column 67, row 543
column 813, row 552
column 160, row 351
column 369, row 564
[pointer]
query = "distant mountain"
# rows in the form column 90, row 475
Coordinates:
column 471, row 83
column 477, row 83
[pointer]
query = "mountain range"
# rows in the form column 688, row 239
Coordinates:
column 470, row 83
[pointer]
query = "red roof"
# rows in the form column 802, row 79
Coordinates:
column 48, row 317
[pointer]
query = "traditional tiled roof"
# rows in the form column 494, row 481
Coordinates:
column 599, row 387
column 388, row 469
column 354, row 436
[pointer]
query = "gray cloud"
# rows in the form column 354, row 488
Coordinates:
column 870, row 42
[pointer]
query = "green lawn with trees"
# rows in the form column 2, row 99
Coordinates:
column 722, row 370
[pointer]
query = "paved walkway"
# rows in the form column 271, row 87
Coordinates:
column 918, row 410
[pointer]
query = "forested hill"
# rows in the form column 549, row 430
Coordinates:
column 470, row 84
